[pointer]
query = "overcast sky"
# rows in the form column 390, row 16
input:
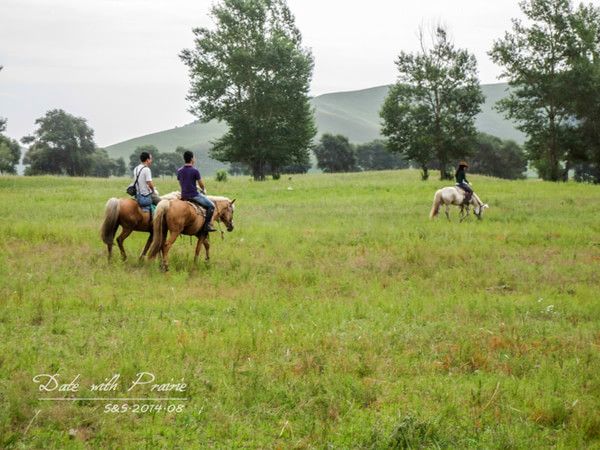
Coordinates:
column 115, row 62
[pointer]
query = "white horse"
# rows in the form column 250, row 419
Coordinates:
column 453, row 195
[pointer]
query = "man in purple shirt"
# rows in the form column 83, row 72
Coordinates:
column 188, row 177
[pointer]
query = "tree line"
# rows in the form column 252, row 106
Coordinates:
column 252, row 72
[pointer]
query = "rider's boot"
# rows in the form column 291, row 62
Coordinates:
column 207, row 222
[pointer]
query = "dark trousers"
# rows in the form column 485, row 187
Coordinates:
column 465, row 187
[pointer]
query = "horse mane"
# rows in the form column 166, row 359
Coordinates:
column 218, row 198
column 175, row 195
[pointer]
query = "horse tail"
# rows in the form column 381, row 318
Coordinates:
column 437, row 201
column 111, row 221
column 159, row 228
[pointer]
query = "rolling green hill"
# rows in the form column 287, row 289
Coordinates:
column 354, row 114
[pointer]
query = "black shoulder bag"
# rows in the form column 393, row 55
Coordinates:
column 132, row 189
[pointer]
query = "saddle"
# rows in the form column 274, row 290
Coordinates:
column 199, row 209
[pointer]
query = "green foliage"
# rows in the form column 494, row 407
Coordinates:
column 429, row 114
column 61, row 144
column 550, row 65
column 300, row 164
column 163, row 164
column 10, row 154
column 134, row 158
column 583, row 82
column 375, row 156
column 238, row 169
column 221, row 175
column 498, row 158
column 103, row 166
column 252, row 73
column 336, row 154
column 168, row 163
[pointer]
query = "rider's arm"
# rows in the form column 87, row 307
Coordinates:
column 201, row 184
column 150, row 185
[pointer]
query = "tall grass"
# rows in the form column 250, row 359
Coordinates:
column 335, row 315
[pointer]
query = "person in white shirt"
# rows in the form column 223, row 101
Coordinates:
column 147, row 194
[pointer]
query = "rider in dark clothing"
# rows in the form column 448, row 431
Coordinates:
column 189, row 178
column 461, row 180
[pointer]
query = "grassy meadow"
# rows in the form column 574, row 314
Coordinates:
column 336, row 315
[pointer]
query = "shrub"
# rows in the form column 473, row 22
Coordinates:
column 221, row 175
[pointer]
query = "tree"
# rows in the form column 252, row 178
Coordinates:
column 535, row 60
column 120, row 167
column 62, row 144
column 583, row 82
column 498, row 158
column 169, row 163
column 253, row 73
column 238, row 169
column 336, row 154
column 300, row 165
column 134, row 158
column 102, row 165
column 10, row 152
column 430, row 112
column 375, row 156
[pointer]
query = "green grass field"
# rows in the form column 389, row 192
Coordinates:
column 336, row 315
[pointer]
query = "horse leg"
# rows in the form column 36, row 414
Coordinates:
column 447, row 212
column 207, row 248
column 126, row 232
column 198, row 246
column 146, row 247
column 165, row 250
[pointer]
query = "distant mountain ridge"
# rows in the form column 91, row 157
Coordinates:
column 354, row 114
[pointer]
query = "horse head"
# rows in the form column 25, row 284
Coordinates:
column 479, row 207
column 225, row 212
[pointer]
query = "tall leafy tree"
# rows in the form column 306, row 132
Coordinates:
column 535, row 57
column 252, row 72
column 61, row 144
column 336, row 154
column 584, row 92
column 429, row 114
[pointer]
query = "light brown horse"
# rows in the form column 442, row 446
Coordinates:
column 127, row 213
column 179, row 217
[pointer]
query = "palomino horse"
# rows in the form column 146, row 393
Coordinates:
column 453, row 195
column 179, row 217
column 127, row 213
